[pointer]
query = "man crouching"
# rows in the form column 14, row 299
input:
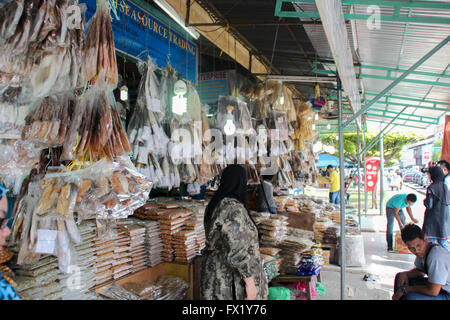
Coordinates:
column 432, row 260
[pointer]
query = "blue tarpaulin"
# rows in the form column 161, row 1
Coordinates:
column 327, row 159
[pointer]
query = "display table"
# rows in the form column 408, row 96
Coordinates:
column 189, row 272
column 294, row 278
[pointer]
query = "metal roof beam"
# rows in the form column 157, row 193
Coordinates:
column 388, row 78
column 398, row 80
column 409, row 99
column 366, row 66
column 403, row 105
column 409, row 115
column 412, row 120
column 397, row 5
column 398, row 124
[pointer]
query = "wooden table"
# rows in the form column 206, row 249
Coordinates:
column 295, row 278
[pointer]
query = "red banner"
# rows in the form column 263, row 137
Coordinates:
column 446, row 140
column 372, row 168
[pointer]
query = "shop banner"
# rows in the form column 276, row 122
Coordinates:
column 445, row 155
column 137, row 32
column 372, row 168
column 214, row 84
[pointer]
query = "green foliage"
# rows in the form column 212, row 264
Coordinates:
column 437, row 155
column 393, row 144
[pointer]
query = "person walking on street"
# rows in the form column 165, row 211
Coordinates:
column 432, row 261
column 394, row 210
column 436, row 223
column 231, row 266
column 335, row 184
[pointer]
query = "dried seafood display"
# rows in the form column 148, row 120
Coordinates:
column 96, row 129
column 40, row 47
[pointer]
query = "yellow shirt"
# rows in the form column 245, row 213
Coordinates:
column 335, row 181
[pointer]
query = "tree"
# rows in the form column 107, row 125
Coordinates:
column 437, row 152
column 393, row 144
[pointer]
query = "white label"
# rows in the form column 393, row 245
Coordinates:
column 146, row 133
column 153, row 105
column 46, row 241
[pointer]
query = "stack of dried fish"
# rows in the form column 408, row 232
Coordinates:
column 122, row 264
column 273, row 230
column 291, row 250
column 184, row 244
column 100, row 56
column 136, row 233
column 76, row 285
column 153, row 243
column 104, row 251
column 171, row 221
column 38, row 280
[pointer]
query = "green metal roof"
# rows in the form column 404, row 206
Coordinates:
column 407, row 34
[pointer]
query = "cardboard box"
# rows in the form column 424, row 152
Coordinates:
column 399, row 245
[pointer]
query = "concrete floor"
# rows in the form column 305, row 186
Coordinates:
column 378, row 261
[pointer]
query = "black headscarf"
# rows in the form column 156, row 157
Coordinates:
column 438, row 186
column 437, row 174
column 233, row 184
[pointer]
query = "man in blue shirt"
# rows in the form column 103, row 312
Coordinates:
column 394, row 211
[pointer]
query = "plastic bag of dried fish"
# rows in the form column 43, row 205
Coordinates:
column 100, row 56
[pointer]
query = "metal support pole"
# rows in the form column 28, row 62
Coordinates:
column 358, row 158
column 366, row 205
column 381, row 176
column 341, row 193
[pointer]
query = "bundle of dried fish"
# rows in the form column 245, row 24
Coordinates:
column 100, row 56
column 47, row 122
column 38, row 44
column 96, row 128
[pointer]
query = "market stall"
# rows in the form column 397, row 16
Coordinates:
column 89, row 221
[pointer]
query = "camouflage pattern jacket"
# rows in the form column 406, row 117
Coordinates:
column 231, row 254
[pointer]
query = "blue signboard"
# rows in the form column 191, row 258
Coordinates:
column 137, row 32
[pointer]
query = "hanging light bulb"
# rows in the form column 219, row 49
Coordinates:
column 282, row 99
column 229, row 127
column 179, row 103
column 314, row 126
column 123, row 93
column 329, row 126
column 316, row 117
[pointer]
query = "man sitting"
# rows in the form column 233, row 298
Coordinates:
column 432, row 260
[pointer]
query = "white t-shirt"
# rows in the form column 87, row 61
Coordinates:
column 438, row 266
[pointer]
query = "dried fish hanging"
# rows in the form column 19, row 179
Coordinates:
column 12, row 111
column 39, row 47
column 100, row 57
column 48, row 121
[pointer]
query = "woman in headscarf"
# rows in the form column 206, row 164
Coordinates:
column 7, row 291
column 231, row 267
column 436, row 224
